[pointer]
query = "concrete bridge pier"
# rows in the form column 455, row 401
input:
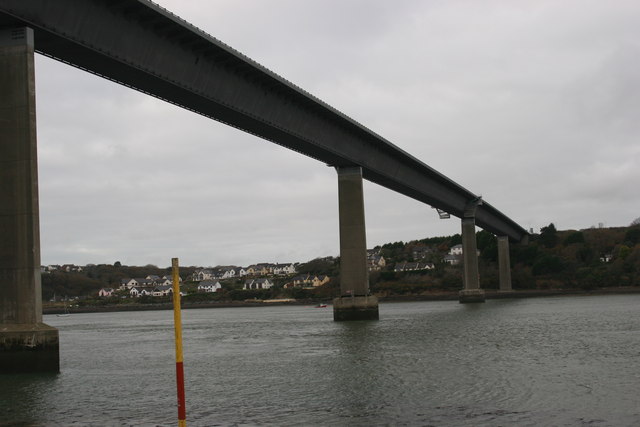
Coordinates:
column 504, row 264
column 26, row 344
column 471, row 291
column 355, row 302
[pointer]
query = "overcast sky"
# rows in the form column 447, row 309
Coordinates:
column 535, row 105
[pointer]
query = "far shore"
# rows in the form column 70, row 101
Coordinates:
column 432, row 296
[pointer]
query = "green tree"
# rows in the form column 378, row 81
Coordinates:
column 548, row 264
column 632, row 235
column 318, row 266
column 622, row 251
column 487, row 245
column 575, row 237
column 549, row 236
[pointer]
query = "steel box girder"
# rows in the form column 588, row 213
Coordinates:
column 141, row 45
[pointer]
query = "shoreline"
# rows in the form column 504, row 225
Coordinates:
column 435, row 296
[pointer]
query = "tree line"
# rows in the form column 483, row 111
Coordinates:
column 553, row 259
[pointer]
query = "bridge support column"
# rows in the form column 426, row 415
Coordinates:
column 504, row 264
column 26, row 344
column 471, row 291
column 354, row 302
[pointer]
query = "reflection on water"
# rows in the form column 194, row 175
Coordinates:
column 547, row 361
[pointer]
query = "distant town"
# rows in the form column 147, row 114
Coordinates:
column 570, row 259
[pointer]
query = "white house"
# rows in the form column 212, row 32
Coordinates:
column 226, row 273
column 128, row 283
column 284, row 269
column 606, row 258
column 204, row 274
column 209, row 286
column 146, row 292
column 452, row 259
column 162, row 290
column 414, row 266
column 257, row 284
column 455, row 250
column 147, row 283
column 157, row 291
column 164, row 282
column 137, row 282
column 71, row 267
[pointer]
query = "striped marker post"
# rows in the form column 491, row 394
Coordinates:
column 177, row 321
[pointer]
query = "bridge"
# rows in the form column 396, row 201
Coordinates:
column 139, row 44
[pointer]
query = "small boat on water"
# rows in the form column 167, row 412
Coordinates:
column 321, row 305
column 65, row 313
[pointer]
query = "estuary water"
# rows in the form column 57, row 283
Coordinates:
column 557, row 361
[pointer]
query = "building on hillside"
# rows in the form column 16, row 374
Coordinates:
column 261, row 269
column 421, row 252
column 319, row 280
column 257, row 284
column 69, row 268
column 299, row 280
column 606, row 258
column 307, row 281
column 455, row 250
column 140, row 292
column 284, row 269
column 373, row 252
column 413, row 266
column 144, row 282
column 240, row 272
column 164, row 282
column 202, row 274
column 253, row 270
column 209, row 286
column 128, row 283
column 376, row 262
column 147, row 283
column 225, row 272
column 162, row 290
column 452, row 259
column 106, row 292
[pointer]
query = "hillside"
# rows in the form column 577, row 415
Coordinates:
column 567, row 259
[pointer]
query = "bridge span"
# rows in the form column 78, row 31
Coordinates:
column 143, row 46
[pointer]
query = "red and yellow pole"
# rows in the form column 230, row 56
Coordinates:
column 177, row 321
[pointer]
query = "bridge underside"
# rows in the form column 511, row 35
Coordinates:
column 140, row 45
